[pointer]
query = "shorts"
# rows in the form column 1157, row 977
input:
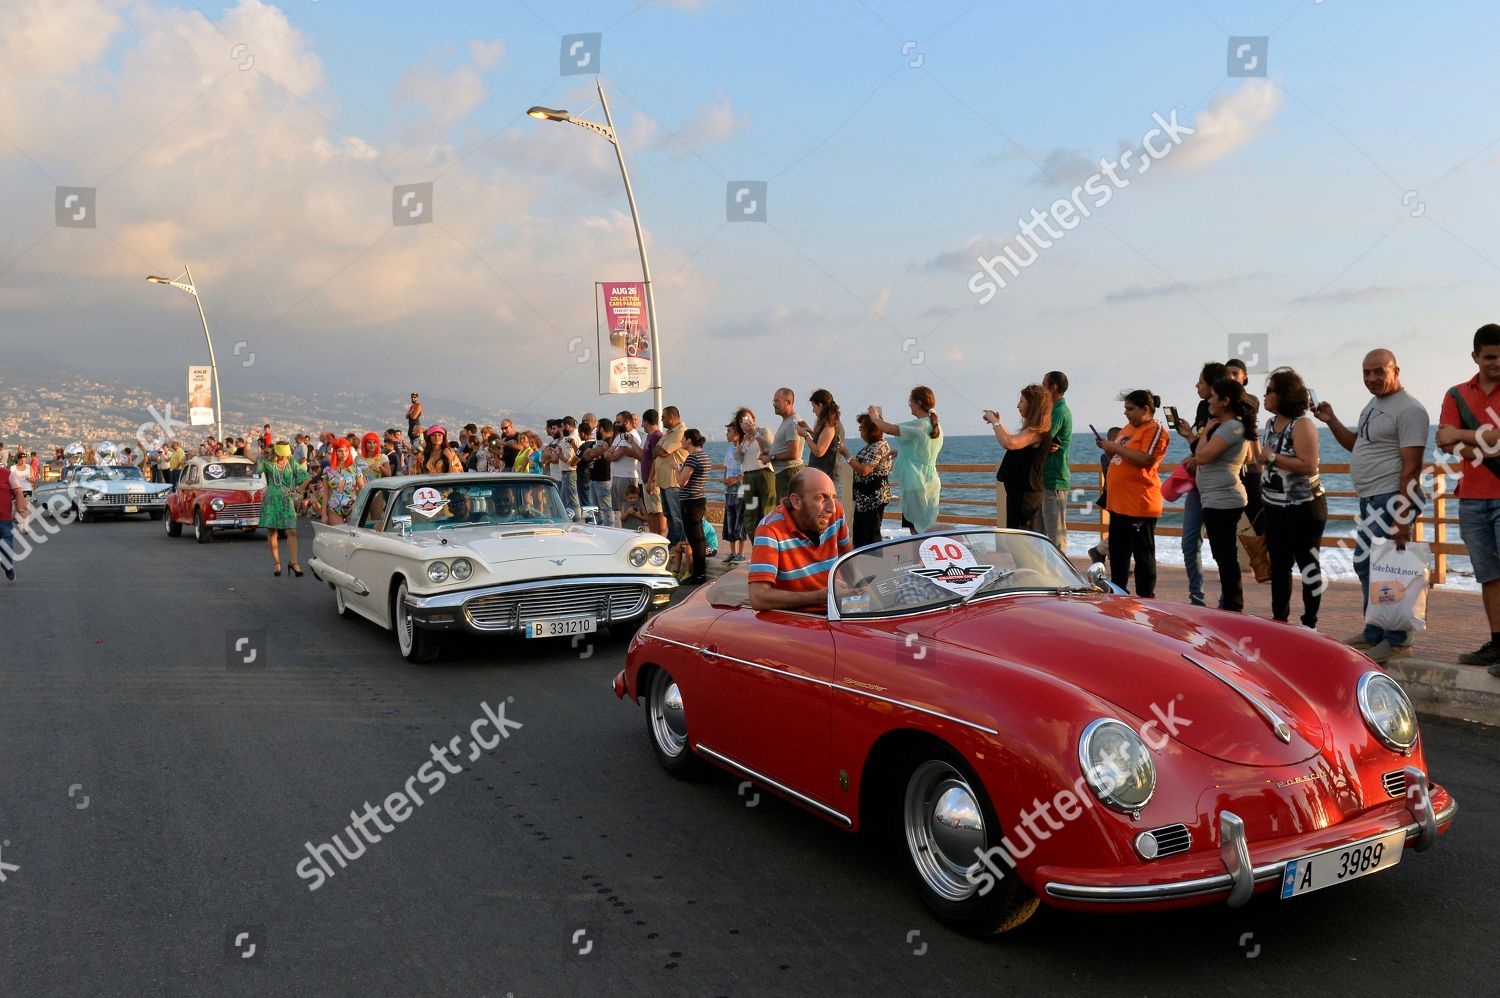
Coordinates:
column 653, row 502
column 1479, row 525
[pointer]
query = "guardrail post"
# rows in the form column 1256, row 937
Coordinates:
column 1439, row 527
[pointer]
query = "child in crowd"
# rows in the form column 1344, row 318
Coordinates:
column 633, row 515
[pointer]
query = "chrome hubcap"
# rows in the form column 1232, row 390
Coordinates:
column 403, row 621
column 944, row 829
column 668, row 720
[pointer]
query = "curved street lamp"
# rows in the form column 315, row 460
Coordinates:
column 192, row 289
column 608, row 131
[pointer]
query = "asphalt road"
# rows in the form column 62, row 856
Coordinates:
column 156, row 795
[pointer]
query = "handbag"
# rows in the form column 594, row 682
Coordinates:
column 1179, row 483
column 1260, row 559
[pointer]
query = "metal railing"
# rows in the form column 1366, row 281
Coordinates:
column 988, row 507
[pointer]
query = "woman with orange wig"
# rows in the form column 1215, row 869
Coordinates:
column 372, row 461
column 342, row 483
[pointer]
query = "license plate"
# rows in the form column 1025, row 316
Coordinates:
column 560, row 628
column 132, row 509
column 1324, row 869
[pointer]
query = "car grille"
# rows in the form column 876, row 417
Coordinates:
column 238, row 511
column 121, row 499
column 1395, row 783
column 506, row 611
column 1171, row 840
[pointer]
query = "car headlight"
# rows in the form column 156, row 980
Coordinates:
column 216, row 504
column 658, row 556
column 93, row 495
column 638, row 556
column 462, row 568
column 438, row 571
column 1387, row 710
column 1117, row 765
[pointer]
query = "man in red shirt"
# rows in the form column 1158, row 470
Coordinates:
column 1470, row 428
column 12, row 503
column 797, row 544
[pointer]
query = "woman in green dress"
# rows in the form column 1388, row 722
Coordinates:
column 278, row 511
column 915, row 467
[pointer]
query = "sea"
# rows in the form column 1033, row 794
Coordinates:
column 984, row 450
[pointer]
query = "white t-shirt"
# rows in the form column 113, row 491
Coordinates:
column 626, row 467
column 20, row 477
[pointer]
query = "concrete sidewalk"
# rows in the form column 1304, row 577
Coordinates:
column 1437, row 684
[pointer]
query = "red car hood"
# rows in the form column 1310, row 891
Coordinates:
column 1130, row 652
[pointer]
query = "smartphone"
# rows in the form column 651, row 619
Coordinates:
column 1172, row 418
column 1312, row 398
column 1097, row 434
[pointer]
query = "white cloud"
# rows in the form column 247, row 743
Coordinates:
column 486, row 55
column 709, row 125
column 882, row 302
column 1230, row 121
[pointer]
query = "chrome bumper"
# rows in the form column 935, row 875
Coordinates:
column 1241, row 877
column 449, row 611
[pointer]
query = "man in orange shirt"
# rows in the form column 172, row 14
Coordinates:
column 796, row 545
column 1133, row 492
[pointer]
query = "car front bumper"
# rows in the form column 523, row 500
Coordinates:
column 119, row 504
column 1233, row 875
column 506, row 609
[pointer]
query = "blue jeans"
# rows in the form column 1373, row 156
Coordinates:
column 599, row 496
column 569, row 486
column 1479, row 525
column 671, row 504
column 7, row 538
column 1192, row 544
column 1374, row 522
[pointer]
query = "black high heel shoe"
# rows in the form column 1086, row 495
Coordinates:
column 278, row 570
column 296, row 571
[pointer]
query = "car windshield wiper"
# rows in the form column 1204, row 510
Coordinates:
column 1001, row 577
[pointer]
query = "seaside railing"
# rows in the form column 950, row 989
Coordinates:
column 983, row 504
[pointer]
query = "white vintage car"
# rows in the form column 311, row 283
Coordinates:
column 92, row 490
column 487, row 553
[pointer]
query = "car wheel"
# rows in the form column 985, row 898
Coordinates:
column 174, row 529
column 415, row 643
column 340, row 605
column 949, row 824
column 201, row 532
column 85, row 515
column 666, row 723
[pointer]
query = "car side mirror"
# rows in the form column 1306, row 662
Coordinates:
column 402, row 524
column 1099, row 576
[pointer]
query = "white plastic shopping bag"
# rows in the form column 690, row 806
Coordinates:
column 1398, row 586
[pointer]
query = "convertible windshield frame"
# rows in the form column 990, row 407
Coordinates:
column 109, row 473
column 956, row 599
column 548, row 492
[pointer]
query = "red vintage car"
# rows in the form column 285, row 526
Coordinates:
column 212, row 494
column 1027, row 735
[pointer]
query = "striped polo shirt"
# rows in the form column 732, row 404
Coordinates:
column 788, row 559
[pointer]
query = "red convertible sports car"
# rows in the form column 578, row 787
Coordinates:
column 1029, row 736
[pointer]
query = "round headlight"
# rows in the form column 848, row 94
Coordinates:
column 216, row 503
column 1387, row 711
column 437, row 571
column 658, row 556
column 638, row 556
column 1117, row 765
column 462, row 569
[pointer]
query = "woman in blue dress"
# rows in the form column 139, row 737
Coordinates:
column 915, row 467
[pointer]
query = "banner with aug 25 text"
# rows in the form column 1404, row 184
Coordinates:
column 624, row 337
column 200, row 395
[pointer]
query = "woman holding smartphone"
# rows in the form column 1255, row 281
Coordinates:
column 1026, row 451
column 1133, row 491
column 1295, row 509
column 915, row 467
column 1218, row 459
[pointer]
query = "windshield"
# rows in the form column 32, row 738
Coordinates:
column 102, row 473
column 938, row 570
column 228, row 471
column 481, row 503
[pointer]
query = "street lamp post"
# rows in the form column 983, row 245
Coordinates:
column 213, row 364
column 608, row 131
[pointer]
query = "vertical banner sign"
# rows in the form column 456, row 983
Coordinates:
column 625, row 357
column 200, row 395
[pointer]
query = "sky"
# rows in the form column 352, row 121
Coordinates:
column 1333, row 194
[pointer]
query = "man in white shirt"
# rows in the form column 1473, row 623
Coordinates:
column 624, row 461
column 13, row 505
